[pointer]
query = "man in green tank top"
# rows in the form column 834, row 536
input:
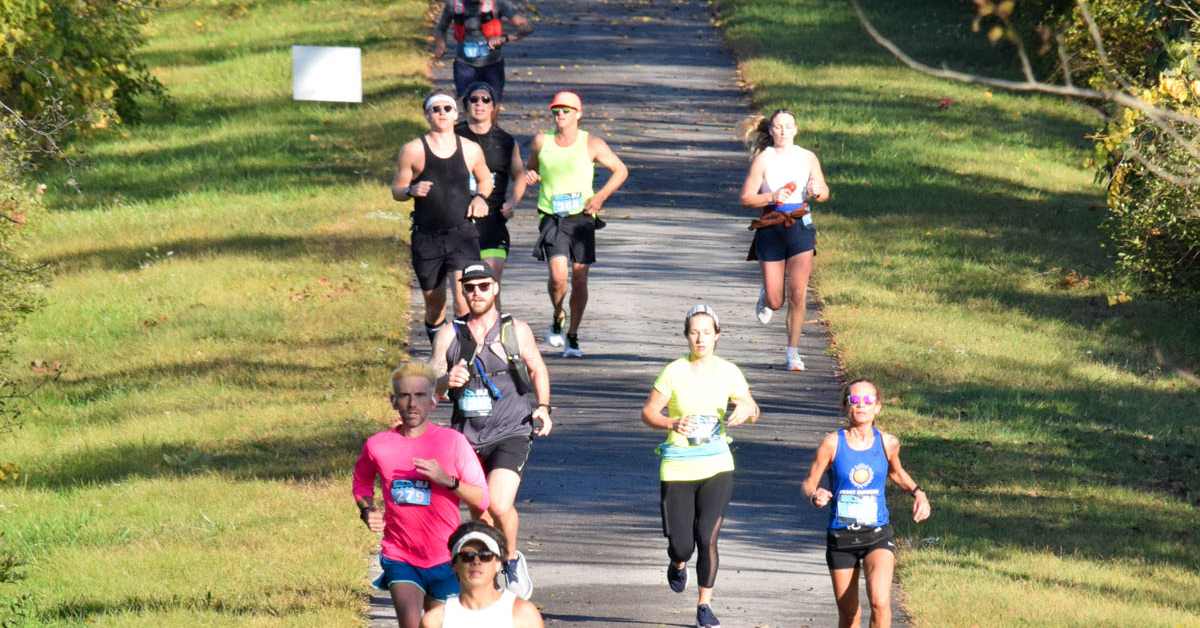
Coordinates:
column 563, row 161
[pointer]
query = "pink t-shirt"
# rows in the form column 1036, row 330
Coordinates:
column 419, row 515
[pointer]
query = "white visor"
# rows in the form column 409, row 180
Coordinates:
column 488, row 541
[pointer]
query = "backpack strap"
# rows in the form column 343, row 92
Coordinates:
column 516, row 365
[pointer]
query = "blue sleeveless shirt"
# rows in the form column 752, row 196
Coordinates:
column 857, row 480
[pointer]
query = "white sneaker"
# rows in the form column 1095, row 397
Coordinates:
column 761, row 310
column 794, row 361
column 516, row 577
column 555, row 335
column 572, row 349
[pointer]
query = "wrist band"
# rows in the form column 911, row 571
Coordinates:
column 916, row 488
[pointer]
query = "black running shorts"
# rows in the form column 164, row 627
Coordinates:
column 849, row 558
column 507, row 453
column 572, row 236
column 436, row 254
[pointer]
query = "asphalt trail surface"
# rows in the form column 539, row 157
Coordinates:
column 658, row 85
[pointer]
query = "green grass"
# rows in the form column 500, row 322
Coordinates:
column 1056, row 434
column 230, row 289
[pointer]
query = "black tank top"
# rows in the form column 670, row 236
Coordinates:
column 445, row 207
column 497, row 145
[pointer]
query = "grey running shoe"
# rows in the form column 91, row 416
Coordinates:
column 705, row 617
column 676, row 577
column 761, row 310
column 555, row 336
column 572, row 350
column 517, row 580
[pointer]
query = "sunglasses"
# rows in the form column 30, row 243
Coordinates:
column 442, row 109
column 479, row 99
column 866, row 400
column 561, row 111
column 468, row 556
column 482, row 286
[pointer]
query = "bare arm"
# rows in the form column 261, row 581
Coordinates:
column 901, row 478
column 812, row 485
column 448, row 377
column 408, row 167
column 516, row 189
column 604, row 156
column 526, row 615
column 434, row 617
column 538, row 373
column 817, row 187
column 523, row 25
column 477, row 164
column 531, row 166
column 751, row 197
column 744, row 409
column 439, row 32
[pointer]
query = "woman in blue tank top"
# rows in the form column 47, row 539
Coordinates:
column 858, row 460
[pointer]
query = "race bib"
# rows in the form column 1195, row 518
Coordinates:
column 412, row 492
column 858, row 509
column 705, row 429
column 475, row 402
column 806, row 220
column 566, row 204
column 475, row 49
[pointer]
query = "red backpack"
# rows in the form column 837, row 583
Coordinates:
column 489, row 23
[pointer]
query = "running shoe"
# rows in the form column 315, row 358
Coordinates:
column 676, row 577
column 516, row 575
column 555, row 335
column 794, row 361
column 572, row 349
column 761, row 310
column 705, row 617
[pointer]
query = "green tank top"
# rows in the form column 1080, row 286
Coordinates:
column 567, row 174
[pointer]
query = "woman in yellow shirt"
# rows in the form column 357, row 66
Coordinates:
column 697, row 467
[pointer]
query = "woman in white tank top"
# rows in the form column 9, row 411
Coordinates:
column 783, row 177
column 477, row 550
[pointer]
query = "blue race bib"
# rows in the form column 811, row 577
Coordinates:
column 412, row 492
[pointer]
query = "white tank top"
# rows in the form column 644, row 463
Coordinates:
column 498, row 615
column 790, row 165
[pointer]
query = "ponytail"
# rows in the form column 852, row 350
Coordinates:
column 756, row 131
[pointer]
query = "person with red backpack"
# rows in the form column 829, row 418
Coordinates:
column 478, row 28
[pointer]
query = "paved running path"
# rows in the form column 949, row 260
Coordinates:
column 657, row 84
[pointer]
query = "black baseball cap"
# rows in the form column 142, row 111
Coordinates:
column 477, row 271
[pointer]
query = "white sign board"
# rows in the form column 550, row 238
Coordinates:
column 327, row 73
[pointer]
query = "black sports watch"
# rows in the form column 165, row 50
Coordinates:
column 454, row 486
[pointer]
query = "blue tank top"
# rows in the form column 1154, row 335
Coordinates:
column 857, row 479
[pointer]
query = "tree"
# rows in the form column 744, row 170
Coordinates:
column 1136, row 63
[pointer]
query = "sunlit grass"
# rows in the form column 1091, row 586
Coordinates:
column 1056, row 434
column 229, row 291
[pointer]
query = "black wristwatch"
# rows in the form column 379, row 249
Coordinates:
column 477, row 194
column 454, row 487
column 549, row 408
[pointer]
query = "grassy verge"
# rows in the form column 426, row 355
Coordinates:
column 961, row 267
column 230, row 291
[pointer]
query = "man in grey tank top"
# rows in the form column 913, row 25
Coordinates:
column 490, row 365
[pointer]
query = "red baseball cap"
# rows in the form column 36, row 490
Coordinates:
column 567, row 99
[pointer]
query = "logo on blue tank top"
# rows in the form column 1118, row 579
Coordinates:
column 862, row 474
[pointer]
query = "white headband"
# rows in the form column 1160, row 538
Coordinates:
column 477, row 536
column 440, row 98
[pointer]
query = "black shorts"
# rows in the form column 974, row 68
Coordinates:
column 507, row 453
column 572, row 236
column 435, row 254
column 775, row 244
column 849, row 558
column 493, row 237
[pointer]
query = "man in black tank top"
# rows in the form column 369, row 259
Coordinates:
column 496, row 407
column 435, row 171
column 503, row 157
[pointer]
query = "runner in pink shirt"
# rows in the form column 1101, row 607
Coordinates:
column 425, row 470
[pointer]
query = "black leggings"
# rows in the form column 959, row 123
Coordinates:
column 692, row 513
